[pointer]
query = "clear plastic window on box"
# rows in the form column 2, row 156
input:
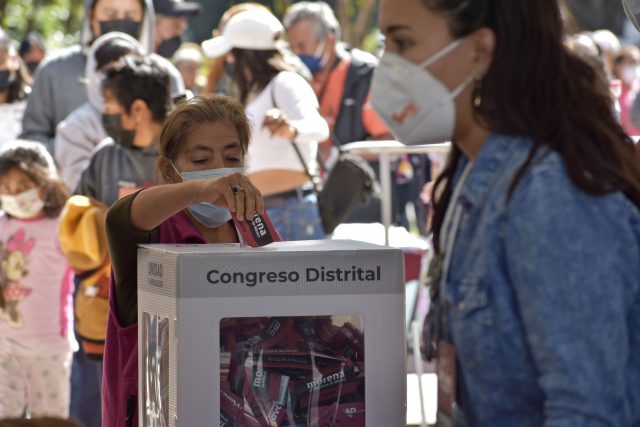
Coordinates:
column 292, row 371
column 156, row 373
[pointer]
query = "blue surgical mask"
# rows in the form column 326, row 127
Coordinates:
column 314, row 62
column 205, row 213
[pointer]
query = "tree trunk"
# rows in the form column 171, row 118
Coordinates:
column 344, row 19
column 363, row 21
column 3, row 11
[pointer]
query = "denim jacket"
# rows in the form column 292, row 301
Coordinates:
column 543, row 293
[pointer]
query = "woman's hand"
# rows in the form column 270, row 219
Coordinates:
column 278, row 124
column 234, row 191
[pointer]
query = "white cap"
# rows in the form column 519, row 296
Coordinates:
column 606, row 40
column 255, row 29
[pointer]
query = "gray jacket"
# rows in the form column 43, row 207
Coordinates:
column 57, row 89
column 78, row 135
column 115, row 169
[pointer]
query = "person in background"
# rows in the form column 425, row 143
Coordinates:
column 341, row 75
column 203, row 145
column 36, row 318
column 76, row 139
column 32, row 51
column 608, row 45
column 78, row 135
column 626, row 68
column 342, row 81
column 219, row 78
column 136, row 101
column 283, row 111
column 171, row 23
column 57, row 89
column 584, row 45
column 14, row 89
column 188, row 60
column 533, row 321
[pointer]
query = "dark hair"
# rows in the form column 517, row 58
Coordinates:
column 547, row 93
column 31, row 40
column 140, row 78
column 33, row 160
column 197, row 111
column 263, row 65
column 19, row 88
column 112, row 50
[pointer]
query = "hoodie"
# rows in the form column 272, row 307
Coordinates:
column 57, row 89
column 78, row 135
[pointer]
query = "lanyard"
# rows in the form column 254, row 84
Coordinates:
column 451, row 224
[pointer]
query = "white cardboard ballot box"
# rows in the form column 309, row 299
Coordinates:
column 292, row 334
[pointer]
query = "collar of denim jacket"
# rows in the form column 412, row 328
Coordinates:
column 495, row 155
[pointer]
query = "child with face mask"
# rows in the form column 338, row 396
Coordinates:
column 35, row 286
column 203, row 145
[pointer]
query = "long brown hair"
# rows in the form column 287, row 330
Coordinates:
column 263, row 66
column 216, row 68
column 536, row 87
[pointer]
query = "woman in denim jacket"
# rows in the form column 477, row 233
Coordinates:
column 536, row 225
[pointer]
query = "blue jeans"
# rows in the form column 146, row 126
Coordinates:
column 296, row 219
column 86, row 386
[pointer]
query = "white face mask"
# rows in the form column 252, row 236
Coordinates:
column 630, row 74
column 205, row 213
column 25, row 205
column 416, row 106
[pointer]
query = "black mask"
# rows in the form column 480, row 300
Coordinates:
column 6, row 80
column 169, row 46
column 229, row 68
column 31, row 66
column 126, row 26
column 113, row 126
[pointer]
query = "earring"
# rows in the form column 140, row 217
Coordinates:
column 477, row 93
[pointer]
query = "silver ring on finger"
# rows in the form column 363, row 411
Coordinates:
column 236, row 189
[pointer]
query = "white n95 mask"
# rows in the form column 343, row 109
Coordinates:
column 416, row 106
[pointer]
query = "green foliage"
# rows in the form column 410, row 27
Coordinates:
column 59, row 21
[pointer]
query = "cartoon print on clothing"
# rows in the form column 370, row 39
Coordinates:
column 13, row 268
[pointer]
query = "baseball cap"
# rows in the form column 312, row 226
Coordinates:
column 176, row 8
column 255, row 29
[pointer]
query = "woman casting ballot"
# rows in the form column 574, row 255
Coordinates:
column 203, row 144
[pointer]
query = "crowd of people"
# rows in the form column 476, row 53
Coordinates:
column 90, row 119
column 125, row 139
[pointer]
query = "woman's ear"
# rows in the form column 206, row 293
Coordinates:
column 484, row 42
column 167, row 171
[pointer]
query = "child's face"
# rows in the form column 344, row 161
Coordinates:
column 21, row 196
column 211, row 146
column 15, row 182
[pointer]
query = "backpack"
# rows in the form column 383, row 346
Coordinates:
column 83, row 241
